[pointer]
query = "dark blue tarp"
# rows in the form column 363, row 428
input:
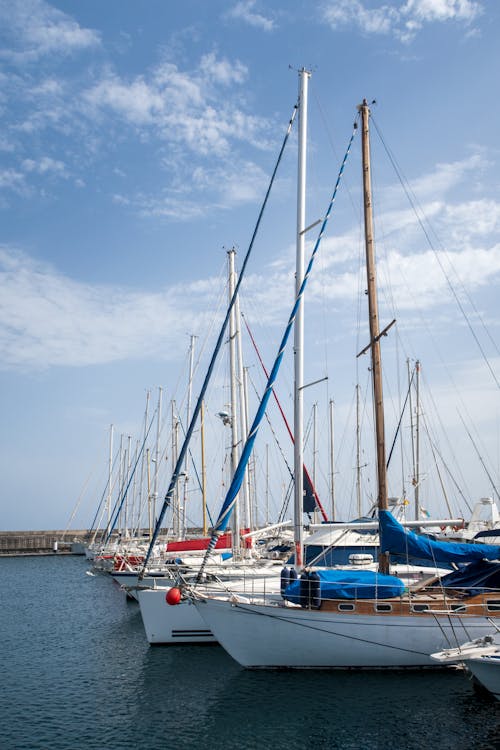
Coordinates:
column 400, row 541
column 346, row 584
column 477, row 577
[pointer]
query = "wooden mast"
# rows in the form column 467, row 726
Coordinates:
column 378, row 400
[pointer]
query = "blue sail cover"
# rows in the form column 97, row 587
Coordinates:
column 477, row 578
column 400, row 541
column 347, row 584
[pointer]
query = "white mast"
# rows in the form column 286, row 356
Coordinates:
column 417, row 441
column 176, row 520
column 332, row 461
column 120, row 483
column 135, row 525
column 203, row 470
column 127, row 480
column 242, row 401
column 298, row 462
column 315, row 440
column 157, row 454
column 235, row 453
column 143, row 460
column 110, row 475
column 267, row 484
column 250, row 472
column 148, row 477
column 188, row 419
column 358, row 456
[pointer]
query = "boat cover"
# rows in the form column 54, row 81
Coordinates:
column 400, row 541
column 347, row 584
column 477, row 578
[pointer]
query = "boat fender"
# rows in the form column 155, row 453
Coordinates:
column 304, row 592
column 173, row 596
column 285, row 579
column 310, row 590
column 314, row 590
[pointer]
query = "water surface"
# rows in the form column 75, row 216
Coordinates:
column 78, row 673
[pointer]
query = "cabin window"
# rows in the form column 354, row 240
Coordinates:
column 420, row 608
column 346, row 607
column 383, row 608
column 458, row 608
column 493, row 605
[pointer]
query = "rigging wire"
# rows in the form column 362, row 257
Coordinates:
column 400, row 420
column 197, row 408
column 480, row 457
column 418, row 211
column 233, row 490
column 266, row 373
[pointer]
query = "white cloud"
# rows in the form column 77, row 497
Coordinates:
column 244, row 11
column 403, row 20
column 412, row 280
column 418, row 280
column 12, row 179
column 353, row 12
column 45, row 165
column 222, row 71
column 446, row 176
column 201, row 111
column 47, row 319
column 136, row 101
column 441, row 10
column 36, row 29
column 182, row 107
column 207, row 188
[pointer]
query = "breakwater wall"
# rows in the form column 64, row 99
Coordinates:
column 56, row 542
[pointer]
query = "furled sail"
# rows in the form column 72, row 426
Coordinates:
column 397, row 540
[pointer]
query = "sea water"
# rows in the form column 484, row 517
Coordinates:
column 76, row 673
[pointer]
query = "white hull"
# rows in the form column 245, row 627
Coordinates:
column 181, row 623
column 486, row 670
column 165, row 624
column 481, row 657
column 130, row 581
column 266, row 636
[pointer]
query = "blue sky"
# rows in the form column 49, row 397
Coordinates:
column 136, row 144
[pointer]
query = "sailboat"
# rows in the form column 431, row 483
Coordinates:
column 481, row 658
column 361, row 619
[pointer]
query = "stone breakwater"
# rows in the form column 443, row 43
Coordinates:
column 13, row 543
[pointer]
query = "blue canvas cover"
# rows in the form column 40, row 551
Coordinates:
column 347, row 584
column 400, row 541
column 477, row 578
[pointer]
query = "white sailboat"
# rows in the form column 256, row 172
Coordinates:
column 169, row 621
column 370, row 620
column 481, row 658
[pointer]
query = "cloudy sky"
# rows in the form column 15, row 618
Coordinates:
column 136, row 145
